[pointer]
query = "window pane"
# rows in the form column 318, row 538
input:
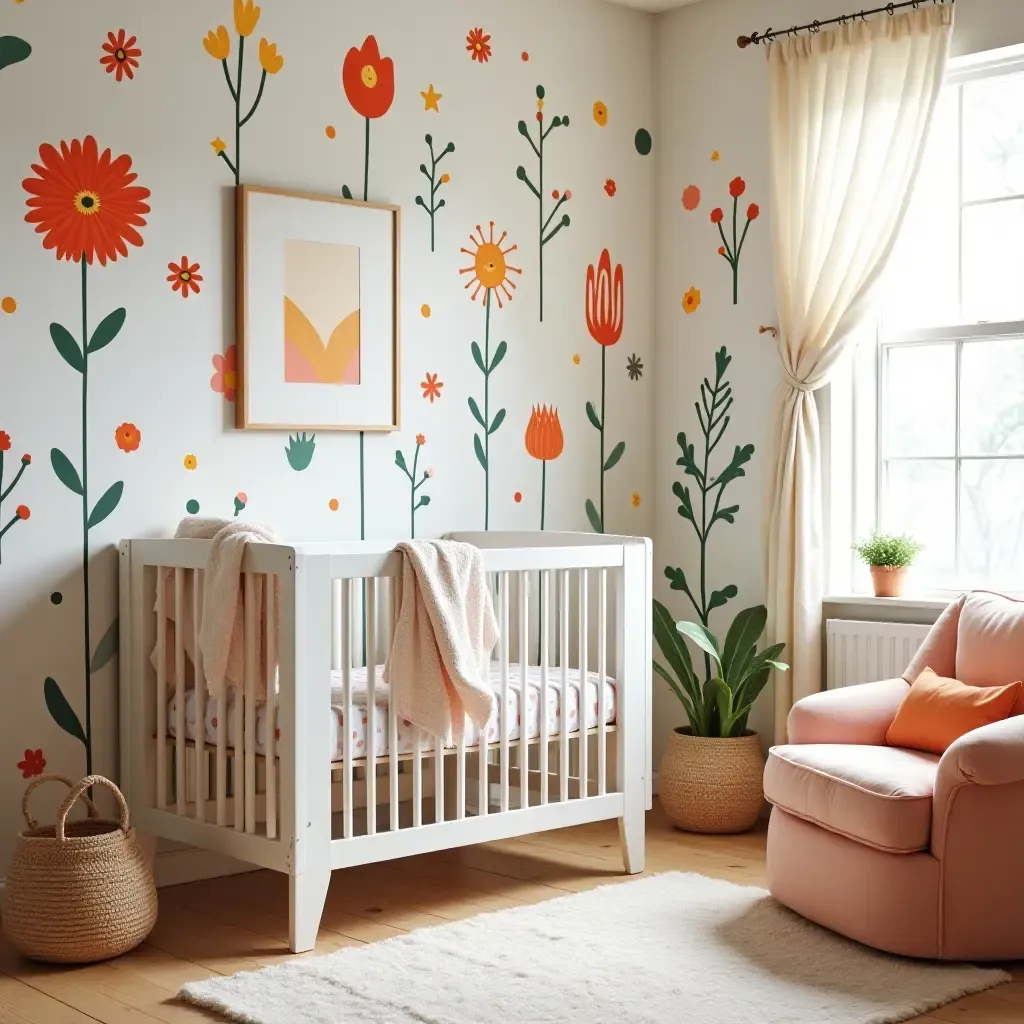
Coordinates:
column 920, row 287
column 992, row 530
column 992, row 397
column 919, row 500
column 994, row 137
column 920, row 400
column 993, row 256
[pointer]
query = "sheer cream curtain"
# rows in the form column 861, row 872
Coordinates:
column 849, row 112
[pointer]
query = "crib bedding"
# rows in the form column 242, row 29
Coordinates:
column 361, row 714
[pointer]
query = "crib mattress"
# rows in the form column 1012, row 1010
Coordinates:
column 361, row 715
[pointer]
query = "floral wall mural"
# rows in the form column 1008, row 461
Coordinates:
column 117, row 285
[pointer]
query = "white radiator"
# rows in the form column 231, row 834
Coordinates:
column 863, row 652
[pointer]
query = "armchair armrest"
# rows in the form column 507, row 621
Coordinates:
column 851, row 714
column 990, row 756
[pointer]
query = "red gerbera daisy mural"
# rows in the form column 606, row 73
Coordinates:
column 84, row 202
column 33, row 764
column 120, row 56
column 185, row 278
column 479, row 45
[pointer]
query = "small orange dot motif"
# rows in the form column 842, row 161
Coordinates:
column 330, row 132
column 425, row 311
column 333, row 504
column 8, row 304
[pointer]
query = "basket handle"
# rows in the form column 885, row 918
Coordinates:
column 78, row 790
column 50, row 777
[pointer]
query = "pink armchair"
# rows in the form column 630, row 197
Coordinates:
column 901, row 850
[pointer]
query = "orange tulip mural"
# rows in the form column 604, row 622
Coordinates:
column 731, row 253
column 217, row 44
column 545, row 233
column 5, row 492
column 544, row 442
column 369, row 83
column 88, row 208
column 490, row 270
column 604, row 321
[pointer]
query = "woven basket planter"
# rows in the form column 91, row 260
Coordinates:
column 709, row 784
column 78, row 891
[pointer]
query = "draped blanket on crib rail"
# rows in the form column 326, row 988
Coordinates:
column 221, row 638
column 445, row 631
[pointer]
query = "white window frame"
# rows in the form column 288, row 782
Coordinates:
column 856, row 400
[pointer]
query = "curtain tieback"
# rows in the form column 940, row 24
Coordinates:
column 796, row 383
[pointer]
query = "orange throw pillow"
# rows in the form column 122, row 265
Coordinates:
column 938, row 711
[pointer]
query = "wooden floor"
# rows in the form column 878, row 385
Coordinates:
column 240, row 923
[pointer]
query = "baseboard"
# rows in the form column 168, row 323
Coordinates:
column 176, row 867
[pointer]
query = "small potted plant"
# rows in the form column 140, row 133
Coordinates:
column 888, row 555
column 710, row 776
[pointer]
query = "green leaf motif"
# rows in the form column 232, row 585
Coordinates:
column 475, row 410
column 107, row 330
column 720, row 597
column 497, row 421
column 106, row 649
column 499, row 354
column 400, row 462
column 613, row 460
column 595, row 519
column 685, row 502
column 106, row 504
column 66, row 345
column 740, row 457
column 677, row 578
column 66, row 473
column 592, row 416
column 425, row 500
column 346, row 192
column 478, row 357
column 13, row 50
column 479, row 449
column 61, row 711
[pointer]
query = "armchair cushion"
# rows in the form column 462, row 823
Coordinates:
column 852, row 714
column 879, row 796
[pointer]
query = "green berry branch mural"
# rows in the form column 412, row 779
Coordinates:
column 436, row 182
column 87, row 207
column 416, row 500
column 490, row 271
column 21, row 512
column 218, row 45
column 544, row 234
column 604, row 321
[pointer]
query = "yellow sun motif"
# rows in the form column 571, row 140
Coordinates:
column 431, row 98
column 490, row 269
column 576, row 359
column 190, row 462
column 715, row 156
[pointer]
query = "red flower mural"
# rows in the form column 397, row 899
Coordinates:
column 185, row 278
column 369, row 83
column 610, row 186
column 33, row 764
column 730, row 252
column 478, row 45
column 120, row 55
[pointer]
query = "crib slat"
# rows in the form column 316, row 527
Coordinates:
column 503, row 718
column 417, row 778
column 438, row 780
column 336, row 624
column 238, row 759
column 524, row 660
column 460, row 775
column 602, row 672
column 392, row 719
column 202, row 757
column 346, row 705
column 584, row 698
column 161, row 691
column 272, row 698
column 371, row 707
column 542, row 697
column 249, row 679
column 180, row 795
column 563, row 746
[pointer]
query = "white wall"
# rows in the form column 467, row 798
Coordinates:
column 711, row 96
column 156, row 373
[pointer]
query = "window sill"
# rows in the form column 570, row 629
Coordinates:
column 913, row 602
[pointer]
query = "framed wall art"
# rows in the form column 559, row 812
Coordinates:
column 318, row 306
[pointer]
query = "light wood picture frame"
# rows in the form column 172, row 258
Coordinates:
column 317, row 312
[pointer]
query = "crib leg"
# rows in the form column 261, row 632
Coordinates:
column 631, row 833
column 307, row 894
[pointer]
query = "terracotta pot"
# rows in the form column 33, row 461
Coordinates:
column 888, row 579
column 710, row 784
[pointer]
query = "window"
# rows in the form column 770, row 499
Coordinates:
column 937, row 403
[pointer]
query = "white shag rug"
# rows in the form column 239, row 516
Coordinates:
column 664, row 949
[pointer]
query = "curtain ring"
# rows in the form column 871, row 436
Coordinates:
column 889, row 10
column 815, row 27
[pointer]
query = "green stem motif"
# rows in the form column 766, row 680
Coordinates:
column 604, row 389
column 366, row 164
column 543, row 489
column 416, row 500
column 713, row 416
column 432, row 207
column 731, row 252
column 487, row 365
column 238, row 110
column 543, row 224
column 6, row 491
column 85, row 520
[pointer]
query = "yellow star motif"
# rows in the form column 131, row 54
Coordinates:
column 430, row 99
column 219, row 145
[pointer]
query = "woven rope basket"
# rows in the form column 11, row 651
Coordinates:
column 712, row 785
column 78, row 891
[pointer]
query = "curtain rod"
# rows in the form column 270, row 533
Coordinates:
column 814, row 27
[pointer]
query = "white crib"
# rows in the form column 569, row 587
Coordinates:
column 277, row 784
